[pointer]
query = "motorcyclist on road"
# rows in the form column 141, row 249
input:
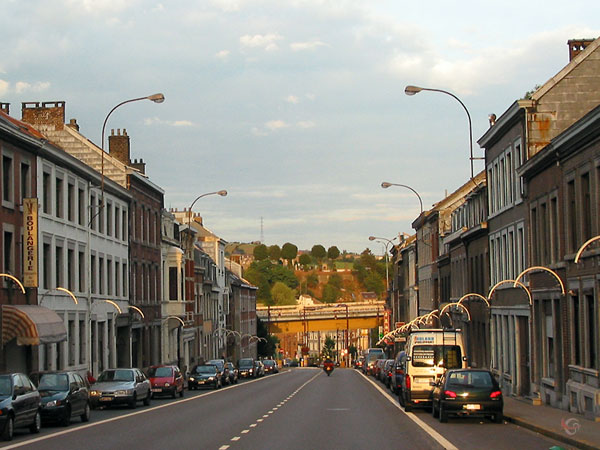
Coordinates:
column 328, row 366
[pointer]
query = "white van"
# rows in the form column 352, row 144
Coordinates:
column 428, row 354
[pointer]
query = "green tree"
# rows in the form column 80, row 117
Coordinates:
column 260, row 252
column 265, row 349
column 312, row 280
column 333, row 252
column 328, row 347
column 282, row 294
column 305, row 260
column 330, row 294
column 353, row 351
column 318, row 252
column 335, row 280
column 288, row 252
column 274, row 252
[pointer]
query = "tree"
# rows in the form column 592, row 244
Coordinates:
column 274, row 252
column 305, row 260
column 260, row 252
column 288, row 252
column 282, row 294
column 328, row 347
column 330, row 294
column 318, row 252
column 312, row 280
column 333, row 252
column 265, row 349
column 353, row 351
column 335, row 280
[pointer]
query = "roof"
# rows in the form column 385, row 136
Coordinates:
column 21, row 126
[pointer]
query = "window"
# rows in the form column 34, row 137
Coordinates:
column 101, row 275
column 109, row 219
column 586, row 206
column 47, row 265
column 71, row 202
column 70, row 269
column 100, row 215
column 124, row 229
column 93, row 212
column 117, row 219
column 125, row 278
column 59, row 266
column 534, row 236
column 93, row 270
column 554, row 230
column 172, row 283
column 572, row 216
column 576, row 324
column 590, row 338
column 543, row 234
column 81, row 206
column 25, row 181
column 47, row 194
column 59, row 197
column 549, row 328
column 118, row 279
column 8, row 247
column 7, row 179
column 109, row 277
column 81, row 267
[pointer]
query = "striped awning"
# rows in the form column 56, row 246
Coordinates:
column 31, row 325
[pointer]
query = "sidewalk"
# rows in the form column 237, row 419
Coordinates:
column 572, row 429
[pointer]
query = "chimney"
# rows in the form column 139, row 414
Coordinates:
column 5, row 108
column 141, row 166
column 576, row 46
column 73, row 124
column 118, row 146
column 47, row 115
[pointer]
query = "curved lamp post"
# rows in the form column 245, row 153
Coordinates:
column 388, row 242
column 412, row 90
column 138, row 310
column 386, row 184
column 15, row 279
column 179, row 327
column 583, row 247
column 541, row 268
column 156, row 98
column 222, row 193
column 62, row 289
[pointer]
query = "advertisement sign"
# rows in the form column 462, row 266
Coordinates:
column 30, row 247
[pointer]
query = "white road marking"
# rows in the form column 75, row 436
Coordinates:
column 338, row 409
column 253, row 425
column 237, row 438
column 259, row 420
column 265, row 416
column 223, row 447
column 245, row 431
column 430, row 431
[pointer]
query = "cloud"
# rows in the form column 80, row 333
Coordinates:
column 223, row 54
column 292, row 99
column 4, row 85
column 267, row 41
column 305, row 124
column 171, row 123
column 311, row 45
column 22, row 87
column 276, row 125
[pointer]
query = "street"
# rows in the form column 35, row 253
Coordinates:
column 295, row 409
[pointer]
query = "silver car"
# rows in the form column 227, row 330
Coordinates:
column 120, row 386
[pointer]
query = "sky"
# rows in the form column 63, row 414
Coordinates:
column 297, row 107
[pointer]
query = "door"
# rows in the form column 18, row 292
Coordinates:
column 524, row 356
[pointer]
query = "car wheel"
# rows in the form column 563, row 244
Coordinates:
column 66, row 419
column 85, row 417
column 133, row 401
column 443, row 414
column 174, row 394
column 147, row 399
column 181, row 392
column 216, row 385
column 434, row 410
column 9, row 429
column 37, row 423
column 498, row 417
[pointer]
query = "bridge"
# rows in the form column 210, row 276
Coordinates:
column 322, row 317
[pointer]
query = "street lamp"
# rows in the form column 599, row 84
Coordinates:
column 388, row 242
column 345, row 305
column 222, row 193
column 412, row 90
column 156, row 98
column 386, row 185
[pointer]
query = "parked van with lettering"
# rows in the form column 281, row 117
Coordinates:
column 428, row 354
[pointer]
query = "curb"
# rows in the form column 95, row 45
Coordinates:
column 551, row 434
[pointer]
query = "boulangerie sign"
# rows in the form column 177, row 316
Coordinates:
column 30, row 249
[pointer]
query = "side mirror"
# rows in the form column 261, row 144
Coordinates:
column 19, row 390
column 408, row 358
column 464, row 358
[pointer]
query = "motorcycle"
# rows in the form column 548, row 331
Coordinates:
column 328, row 368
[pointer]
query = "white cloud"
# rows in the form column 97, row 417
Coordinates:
column 305, row 124
column 223, row 54
column 276, row 125
column 22, row 87
column 292, row 99
column 310, row 45
column 158, row 8
column 171, row 123
column 266, row 41
column 4, row 85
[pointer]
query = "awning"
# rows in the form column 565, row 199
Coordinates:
column 31, row 325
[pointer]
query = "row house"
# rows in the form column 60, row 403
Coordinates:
column 141, row 232
column 75, row 269
column 242, row 315
column 523, row 234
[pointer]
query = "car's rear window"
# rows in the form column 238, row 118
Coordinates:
column 116, row 375
column 448, row 356
column 205, row 369
column 471, row 379
column 54, row 382
column 246, row 363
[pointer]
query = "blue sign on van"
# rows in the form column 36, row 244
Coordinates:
column 424, row 339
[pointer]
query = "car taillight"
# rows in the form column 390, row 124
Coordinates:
column 496, row 394
column 408, row 382
column 450, row 394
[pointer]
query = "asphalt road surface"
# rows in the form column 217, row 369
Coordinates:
column 295, row 409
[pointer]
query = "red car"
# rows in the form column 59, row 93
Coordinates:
column 166, row 380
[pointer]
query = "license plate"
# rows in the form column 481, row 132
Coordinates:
column 156, row 390
column 201, row 382
column 106, row 399
column 423, row 380
column 472, row 407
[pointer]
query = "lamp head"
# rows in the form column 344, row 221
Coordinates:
column 385, row 185
column 156, row 98
column 222, row 193
column 412, row 90
column 372, row 238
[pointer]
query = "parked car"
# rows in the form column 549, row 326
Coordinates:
column 205, row 375
column 467, row 392
column 232, row 372
column 270, row 366
column 376, row 370
column 399, row 370
column 64, row 395
column 358, row 363
column 166, row 380
column 259, row 368
column 388, row 372
column 120, row 386
column 246, row 368
column 20, row 404
column 220, row 363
